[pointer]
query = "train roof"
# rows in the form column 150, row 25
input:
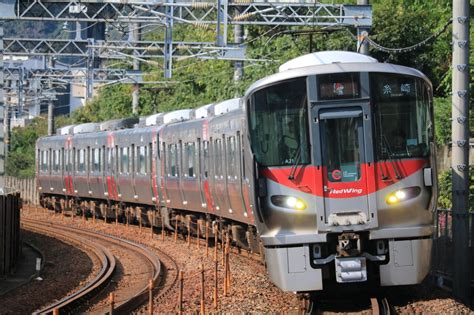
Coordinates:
column 331, row 62
column 310, row 64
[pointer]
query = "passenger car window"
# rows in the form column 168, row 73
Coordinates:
column 402, row 115
column 124, row 160
column 278, row 122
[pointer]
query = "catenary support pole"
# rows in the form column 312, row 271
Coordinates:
column 134, row 36
column 238, row 65
column 51, row 102
column 6, row 119
column 362, row 32
column 2, row 144
column 460, row 147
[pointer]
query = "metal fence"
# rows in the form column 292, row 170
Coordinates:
column 442, row 262
column 27, row 188
column 9, row 232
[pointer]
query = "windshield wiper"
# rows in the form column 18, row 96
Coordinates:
column 295, row 165
column 390, row 157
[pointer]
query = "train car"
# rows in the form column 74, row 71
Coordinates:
column 326, row 168
column 344, row 148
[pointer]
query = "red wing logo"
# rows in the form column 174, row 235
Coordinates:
column 336, row 174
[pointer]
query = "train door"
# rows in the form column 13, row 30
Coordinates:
column 234, row 184
column 103, row 170
column 200, row 171
column 343, row 150
column 180, row 167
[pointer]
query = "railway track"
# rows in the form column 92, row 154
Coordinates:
column 128, row 277
column 169, row 278
column 378, row 306
column 381, row 306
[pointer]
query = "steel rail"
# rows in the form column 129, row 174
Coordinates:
column 381, row 306
column 127, row 305
column 103, row 254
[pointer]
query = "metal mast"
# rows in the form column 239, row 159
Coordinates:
column 2, row 144
column 362, row 32
column 51, row 101
column 134, row 36
column 460, row 144
column 238, row 65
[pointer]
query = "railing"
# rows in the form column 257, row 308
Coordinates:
column 9, row 232
column 27, row 188
column 442, row 262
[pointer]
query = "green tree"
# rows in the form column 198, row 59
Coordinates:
column 20, row 161
column 445, row 189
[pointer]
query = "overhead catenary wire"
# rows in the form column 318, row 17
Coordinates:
column 409, row 48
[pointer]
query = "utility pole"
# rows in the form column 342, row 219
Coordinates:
column 90, row 70
column 168, row 53
column 238, row 65
column 2, row 144
column 460, row 147
column 134, row 36
column 51, row 102
column 362, row 32
column 6, row 119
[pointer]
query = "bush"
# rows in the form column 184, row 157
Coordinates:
column 445, row 189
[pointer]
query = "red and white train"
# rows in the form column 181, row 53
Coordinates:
column 328, row 164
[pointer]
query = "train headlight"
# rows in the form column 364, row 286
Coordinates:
column 402, row 195
column 291, row 202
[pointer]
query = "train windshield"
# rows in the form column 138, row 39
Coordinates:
column 402, row 112
column 279, row 124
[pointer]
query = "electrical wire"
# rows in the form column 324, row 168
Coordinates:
column 409, row 48
column 80, row 30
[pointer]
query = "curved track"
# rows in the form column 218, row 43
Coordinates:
column 130, row 289
column 378, row 306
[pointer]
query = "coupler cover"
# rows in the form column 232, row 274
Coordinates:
column 351, row 269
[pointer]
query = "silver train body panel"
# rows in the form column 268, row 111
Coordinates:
column 309, row 159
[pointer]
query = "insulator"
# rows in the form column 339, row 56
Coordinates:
column 180, row 46
column 242, row 17
column 242, row 1
column 201, row 25
column 202, row 5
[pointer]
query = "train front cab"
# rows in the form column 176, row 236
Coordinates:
column 342, row 200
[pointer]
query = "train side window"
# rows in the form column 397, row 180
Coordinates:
column 115, row 158
column 172, row 160
column 218, row 158
column 163, row 159
column 179, row 159
column 66, row 160
column 74, row 161
column 242, row 152
column 109, row 160
column 185, row 160
column 55, row 162
column 61, row 160
column 149, row 158
column 141, row 153
column 231, row 159
column 205, row 151
column 133, row 163
column 88, row 160
column 95, row 160
column 190, row 153
column 124, row 160
column 71, row 160
column 50, row 157
column 81, row 161
column 44, row 161
column 102, row 159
